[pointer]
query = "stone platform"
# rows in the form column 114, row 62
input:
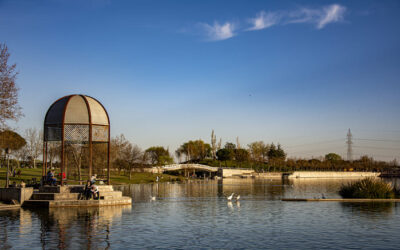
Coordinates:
column 71, row 196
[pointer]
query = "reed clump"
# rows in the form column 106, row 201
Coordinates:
column 368, row 188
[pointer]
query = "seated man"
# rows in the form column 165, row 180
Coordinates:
column 87, row 192
column 93, row 179
column 95, row 192
column 51, row 180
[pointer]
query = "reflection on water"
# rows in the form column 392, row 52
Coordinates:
column 71, row 228
column 197, row 215
column 370, row 209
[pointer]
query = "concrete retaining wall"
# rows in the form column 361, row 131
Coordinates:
column 18, row 194
column 268, row 175
column 233, row 172
column 331, row 174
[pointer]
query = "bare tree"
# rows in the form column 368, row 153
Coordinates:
column 9, row 108
column 53, row 150
column 118, row 144
column 77, row 151
column 19, row 155
column 219, row 144
column 132, row 155
column 34, row 144
column 237, row 142
column 213, row 145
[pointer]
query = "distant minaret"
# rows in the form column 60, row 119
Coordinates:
column 349, row 147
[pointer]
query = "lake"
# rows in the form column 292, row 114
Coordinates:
column 197, row 215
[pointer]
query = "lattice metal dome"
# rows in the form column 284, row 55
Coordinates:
column 76, row 119
column 76, row 113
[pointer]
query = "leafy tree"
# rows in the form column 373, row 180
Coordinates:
column 366, row 159
column 224, row 155
column 230, row 146
column 258, row 151
column 276, row 152
column 241, row 155
column 11, row 140
column 9, row 108
column 194, row 150
column 332, row 157
column 159, row 155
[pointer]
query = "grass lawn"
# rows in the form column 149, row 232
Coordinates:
column 28, row 174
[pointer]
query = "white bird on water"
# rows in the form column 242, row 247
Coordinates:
column 229, row 198
column 237, row 197
column 153, row 198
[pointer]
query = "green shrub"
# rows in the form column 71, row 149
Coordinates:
column 368, row 188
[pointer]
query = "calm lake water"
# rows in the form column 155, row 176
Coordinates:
column 197, row 215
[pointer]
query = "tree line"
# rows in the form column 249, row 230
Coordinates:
column 262, row 156
column 125, row 155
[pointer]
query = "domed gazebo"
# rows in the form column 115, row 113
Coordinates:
column 76, row 119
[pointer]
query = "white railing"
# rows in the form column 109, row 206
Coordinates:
column 189, row 166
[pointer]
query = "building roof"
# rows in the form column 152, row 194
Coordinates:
column 77, row 109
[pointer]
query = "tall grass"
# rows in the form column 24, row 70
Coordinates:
column 369, row 188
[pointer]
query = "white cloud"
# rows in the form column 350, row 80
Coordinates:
column 331, row 14
column 264, row 20
column 219, row 32
column 321, row 17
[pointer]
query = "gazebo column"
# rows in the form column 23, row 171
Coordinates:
column 90, row 137
column 108, row 158
column 90, row 152
column 62, row 160
column 44, row 165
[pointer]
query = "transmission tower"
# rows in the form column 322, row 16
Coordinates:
column 349, row 146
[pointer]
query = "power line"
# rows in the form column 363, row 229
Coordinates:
column 384, row 140
column 382, row 148
column 315, row 143
column 317, row 150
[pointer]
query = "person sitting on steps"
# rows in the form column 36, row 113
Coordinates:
column 87, row 193
column 51, row 180
column 93, row 179
column 95, row 192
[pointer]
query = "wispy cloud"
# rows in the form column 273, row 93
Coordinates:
column 217, row 32
column 331, row 14
column 264, row 20
column 320, row 17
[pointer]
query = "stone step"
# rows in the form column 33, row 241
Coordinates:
column 110, row 195
column 54, row 189
column 81, row 188
column 72, row 189
column 54, row 196
column 7, row 207
column 104, row 188
column 77, row 203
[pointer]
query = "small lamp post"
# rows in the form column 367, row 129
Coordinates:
column 8, row 151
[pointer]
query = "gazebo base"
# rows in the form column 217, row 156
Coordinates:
column 70, row 196
column 77, row 203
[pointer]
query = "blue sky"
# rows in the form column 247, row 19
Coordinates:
column 296, row 72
